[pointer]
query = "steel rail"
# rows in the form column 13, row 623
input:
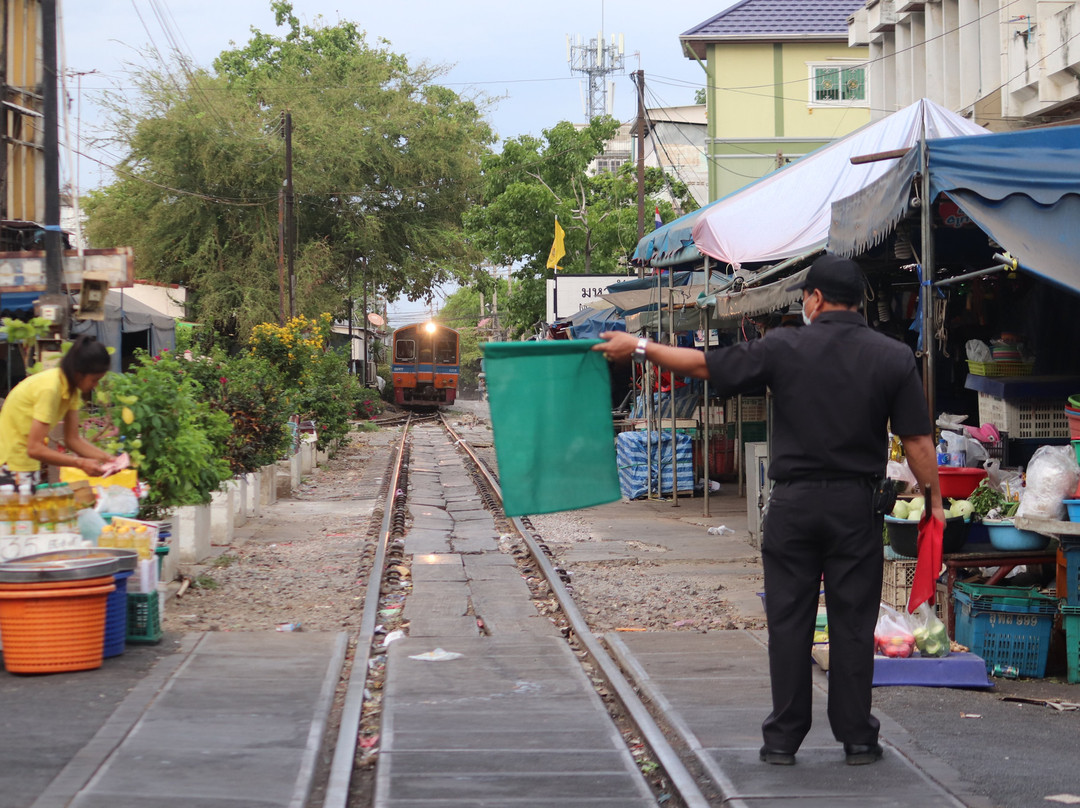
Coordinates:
column 681, row 778
column 341, row 768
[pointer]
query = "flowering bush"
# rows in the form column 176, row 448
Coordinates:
column 174, row 437
column 318, row 375
column 249, row 390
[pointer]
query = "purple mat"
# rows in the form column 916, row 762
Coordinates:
column 955, row 670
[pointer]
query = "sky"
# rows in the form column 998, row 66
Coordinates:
column 510, row 51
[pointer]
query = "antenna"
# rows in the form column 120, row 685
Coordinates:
column 596, row 59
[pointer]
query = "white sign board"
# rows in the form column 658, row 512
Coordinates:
column 25, row 271
column 19, row 546
column 569, row 294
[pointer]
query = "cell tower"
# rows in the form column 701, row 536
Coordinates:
column 596, row 59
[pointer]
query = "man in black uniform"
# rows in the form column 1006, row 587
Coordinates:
column 837, row 388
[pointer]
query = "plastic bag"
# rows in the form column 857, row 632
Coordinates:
column 931, row 638
column 901, row 472
column 117, row 499
column 893, row 636
column 978, row 351
column 90, row 524
column 1052, row 476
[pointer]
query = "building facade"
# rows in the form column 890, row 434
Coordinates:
column 1006, row 64
column 781, row 81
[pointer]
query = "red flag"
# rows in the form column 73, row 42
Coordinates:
column 928, row 563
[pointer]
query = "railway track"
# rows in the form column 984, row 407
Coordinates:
column 672, row 783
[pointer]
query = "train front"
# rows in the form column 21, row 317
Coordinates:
column 425, row 368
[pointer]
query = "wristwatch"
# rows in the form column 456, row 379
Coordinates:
column 639, row 352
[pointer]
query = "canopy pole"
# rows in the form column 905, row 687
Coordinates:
column 705, row 460
column 671, row 395
column 927, row 290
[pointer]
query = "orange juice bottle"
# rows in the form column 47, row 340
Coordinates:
column 123, row 540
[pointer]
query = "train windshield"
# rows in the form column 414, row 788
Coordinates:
column 405, row 351
column 444, row 353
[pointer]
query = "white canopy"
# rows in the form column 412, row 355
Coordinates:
column 788, row 212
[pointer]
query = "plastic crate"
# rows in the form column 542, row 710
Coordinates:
column 1025, row 417
column 1071, row 593
column 1019, row 599
column 752, row 431
column 143, row 618
column 896, row 579
column 1070, row 616
column 1014, row 638
column 1000, row 368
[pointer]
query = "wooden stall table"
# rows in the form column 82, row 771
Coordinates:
column 1005, row 561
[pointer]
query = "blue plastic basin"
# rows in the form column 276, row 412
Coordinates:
column 1007, row 537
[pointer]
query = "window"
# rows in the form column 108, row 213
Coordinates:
column 444, row 353
column 405, row 350
column 839, row 85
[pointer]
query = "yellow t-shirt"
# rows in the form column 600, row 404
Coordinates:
column 44, row 397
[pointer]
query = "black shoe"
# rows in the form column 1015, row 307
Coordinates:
column 767, row 755
column 862, row 754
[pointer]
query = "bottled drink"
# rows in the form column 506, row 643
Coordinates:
column 24, row 524
column 7, row 514
column 143, row 543
column 107, row 537
column 122, row 537
column 1006, row 671
column 66, row 520
column 45, row 509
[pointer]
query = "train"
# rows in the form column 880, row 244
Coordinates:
column 425, row 365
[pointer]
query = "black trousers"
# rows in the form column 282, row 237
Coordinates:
column 812, row 529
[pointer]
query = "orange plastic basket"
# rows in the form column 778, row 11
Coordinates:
column 53, row 630
column 26, row 586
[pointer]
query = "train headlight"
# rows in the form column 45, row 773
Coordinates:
column 430, row 327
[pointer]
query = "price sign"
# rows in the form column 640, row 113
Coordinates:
column 12, row 547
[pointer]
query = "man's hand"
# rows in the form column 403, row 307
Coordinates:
column 90, row 466
column 618, row 345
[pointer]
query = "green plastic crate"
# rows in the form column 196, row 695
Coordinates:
column 1070, row 616
column 143, row 618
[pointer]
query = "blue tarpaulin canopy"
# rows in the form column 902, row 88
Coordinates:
column 1023, row 189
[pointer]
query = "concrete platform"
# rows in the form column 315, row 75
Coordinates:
column 234, row 718
column 716, row 687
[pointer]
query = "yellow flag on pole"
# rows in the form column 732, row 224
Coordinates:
column 558, row 250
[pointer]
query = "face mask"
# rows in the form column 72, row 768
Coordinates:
column 806, row 317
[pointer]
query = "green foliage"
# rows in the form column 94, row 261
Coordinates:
column 367, row 403
column 386, row 374
column 534, row 180
column 384, row 163
column 25, row 334
column 462, row 312
column 699, row 95
column 175, row 438
column 318, row 375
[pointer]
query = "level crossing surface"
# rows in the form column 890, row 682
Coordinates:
column 512, row 719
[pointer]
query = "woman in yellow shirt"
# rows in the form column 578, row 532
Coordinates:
column 41, row 401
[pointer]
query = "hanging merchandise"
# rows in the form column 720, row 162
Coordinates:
column 917, row 322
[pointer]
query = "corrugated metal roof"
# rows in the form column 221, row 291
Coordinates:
column 757, row 18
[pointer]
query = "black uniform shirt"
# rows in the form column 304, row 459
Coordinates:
column 836, row 385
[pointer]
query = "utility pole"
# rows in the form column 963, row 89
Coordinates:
column 281, row 255
column 639, row 80
column 290, row 216
column 53, row 304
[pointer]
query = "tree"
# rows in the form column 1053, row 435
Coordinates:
column 534, row 180
column 385, row 163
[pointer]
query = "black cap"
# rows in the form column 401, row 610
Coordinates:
column 839, row 279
